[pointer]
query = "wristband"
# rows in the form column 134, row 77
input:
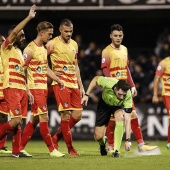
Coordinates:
column 87, row 95
column 128, row 140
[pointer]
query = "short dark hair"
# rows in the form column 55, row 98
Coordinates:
column 66, row 22
column 122, row 84
column 117, row 27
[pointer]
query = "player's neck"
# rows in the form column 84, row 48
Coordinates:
column 116, row 47
column 38, row 42
column 63, row 40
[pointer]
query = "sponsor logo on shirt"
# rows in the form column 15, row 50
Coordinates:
column 118, row 74
column 39, row 69
column 168, row 80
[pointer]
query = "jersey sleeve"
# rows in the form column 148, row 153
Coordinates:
column 161, row 68
column 50, row 47
column 105, row 59
column 6, row 45
column 27, row 54
column 101, row 81
column 128, row 100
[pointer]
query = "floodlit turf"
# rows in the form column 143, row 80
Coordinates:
column 90, row 158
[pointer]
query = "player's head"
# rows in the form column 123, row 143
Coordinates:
column 2, row 39
column 116, row 35
column 45, row 31
column 19, row 38
column 121, row 89
column 66, row 30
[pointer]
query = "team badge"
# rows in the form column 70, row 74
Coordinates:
column 65, row 104
column 16, row 111
column 103, row 60
column 73, row 51
column 44, row 107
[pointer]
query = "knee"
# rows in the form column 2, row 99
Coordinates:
column 77, row 114
column 98, row 136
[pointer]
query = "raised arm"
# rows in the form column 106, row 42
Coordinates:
column 21, row 25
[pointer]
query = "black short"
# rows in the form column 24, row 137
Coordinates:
column 104, row 112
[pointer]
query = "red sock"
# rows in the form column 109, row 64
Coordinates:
column 4, row 130
column 65, row 128
column 3, row 141
column 110, row 132
column 16, row 141
column 58, row 135
column 27, row 134
column 169, row 133
column 46, row 135
column 136, row 130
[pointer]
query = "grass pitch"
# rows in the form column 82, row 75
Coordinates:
column 90, row 158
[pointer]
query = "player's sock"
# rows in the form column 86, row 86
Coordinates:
column 3, row 141
column 118, row 134
column 169, row 133
column 16, row 141
column 4, row 130
column 137, row 131
column 46, row 135
column 102, row 141
column 110, row 132
column 58, row 135
column 65, row 128
column 27, row 134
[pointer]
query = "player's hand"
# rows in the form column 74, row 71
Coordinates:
column 155, row 99
column 134, row 91
column 32, row 12
column 84, row 100
column 127, row 145
column 31, row 98
column 61, row 84
column 82, row 92
column 57, row 73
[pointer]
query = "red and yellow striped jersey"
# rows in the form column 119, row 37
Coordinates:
column 163, row 70
column 1, row 78
column 13, row 66
column 116, row 60
column 63, row 59
column 36, row 60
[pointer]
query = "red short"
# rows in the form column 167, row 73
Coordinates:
column 166, row 101
column 68, row 98
column 17, row 102
column 3, row 107
column 40, row 101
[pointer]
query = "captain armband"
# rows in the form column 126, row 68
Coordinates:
column 128, row 110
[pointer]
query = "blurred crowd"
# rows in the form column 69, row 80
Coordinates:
column 142, row 64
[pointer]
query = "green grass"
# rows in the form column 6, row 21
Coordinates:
column 90, row 158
